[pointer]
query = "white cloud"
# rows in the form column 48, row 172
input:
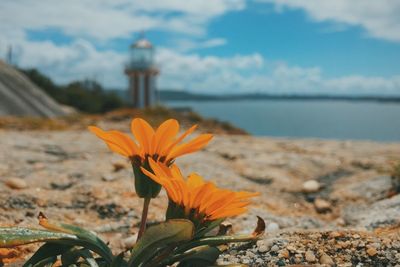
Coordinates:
column 201, row 74
column 185, row 45
column 91, row 21
column 380, row 18
column 108, row 19
column 253, row 73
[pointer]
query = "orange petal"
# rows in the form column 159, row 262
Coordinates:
column 128, row 142
column 192, row 146
column 177, row 141
column 166, row 183
column 114, row 142
column 165, row 133
column 158, row 169
column 152, row 176
column 218, row 199
column 244, row 195
column 176, row 172
column 144, row 133
column 203, row 195
column 228, row 213
column 194, row 180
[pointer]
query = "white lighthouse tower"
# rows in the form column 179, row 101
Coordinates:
column 142, row 74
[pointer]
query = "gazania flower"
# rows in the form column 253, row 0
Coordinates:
column 196, row 199
column 161, row 145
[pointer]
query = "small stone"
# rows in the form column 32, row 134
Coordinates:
column 245, row 260
column 310, row 257
column 372, row 251
column 284, row 253
column 272, row 227
column 119, row 165
column 130, row 241
column 376, row 245
column 263, row 248
column 361, row 244
column 311, row 186
column 322, row 205
column 16, row 183
column 327, row 260
column 108, row 177
column 250, row 254
column 274, row 248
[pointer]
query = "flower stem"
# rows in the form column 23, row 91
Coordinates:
column 143, row 221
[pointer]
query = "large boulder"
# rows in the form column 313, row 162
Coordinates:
column 20, row 97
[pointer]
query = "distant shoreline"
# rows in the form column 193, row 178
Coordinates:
column 171, row 95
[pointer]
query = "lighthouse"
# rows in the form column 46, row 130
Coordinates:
column 142, row 73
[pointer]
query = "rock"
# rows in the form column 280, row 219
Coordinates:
column 372, row 251
column 130, row 241
column 119, row 165
column 272, row 227
column 382, row 213
column 310, row 257
column 16, row 183
column 274, row 248
column 327, row 260
column 370, row 189
column 263, row 248
column 322, row 205
column 311, row 186
column 108, row 177
column 284, row 253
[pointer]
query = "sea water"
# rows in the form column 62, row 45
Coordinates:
column 327, row 119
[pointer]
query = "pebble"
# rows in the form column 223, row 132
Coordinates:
column 372, row 251
column 311, row 186
column 326, row 259
column 310, row 257
column 274, row 248
column 263, row 249
column 284, row 253
column 272, row 227
column 119, row 165
column 16, row 183
column 322, row 205
column 129, row 242
column 108, row 177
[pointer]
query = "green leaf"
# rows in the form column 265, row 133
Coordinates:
column 46, row 251
column 204, row 257
column 216, row 241
column 206, row 229
column 86, row 238
column 48, row 262
column 119, row 261
column 225, row 239
column 158, row 237
column 70, row 257
column 88, row 257
column 16, row 236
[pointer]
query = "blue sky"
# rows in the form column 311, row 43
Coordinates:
column 274, row 46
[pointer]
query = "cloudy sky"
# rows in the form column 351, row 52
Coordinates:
column 218, row 46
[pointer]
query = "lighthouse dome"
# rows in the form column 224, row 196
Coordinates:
column 142, row 43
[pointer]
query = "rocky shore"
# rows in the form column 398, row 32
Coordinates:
column 329, row 203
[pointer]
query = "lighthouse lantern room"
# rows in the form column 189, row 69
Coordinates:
column 142, row 74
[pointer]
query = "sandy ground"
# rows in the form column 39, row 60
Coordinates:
column 71, row 176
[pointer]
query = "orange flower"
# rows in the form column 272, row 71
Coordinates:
column 161, row 145
column 195, row 198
